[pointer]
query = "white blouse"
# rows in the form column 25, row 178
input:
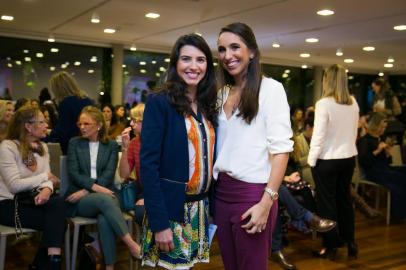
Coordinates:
column 94, row 148
column 243, row 149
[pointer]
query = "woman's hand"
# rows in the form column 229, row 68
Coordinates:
column 125, row 137
column 55, row 180
column 259, row 216
column 164, row 240
column 140, row 202
column 293, row 177
column 76, row 196
column 100, row 189
column 43, row 196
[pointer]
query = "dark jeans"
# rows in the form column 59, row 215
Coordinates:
column 333, row 179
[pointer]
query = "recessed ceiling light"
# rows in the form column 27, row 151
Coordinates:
column 77, row 63
column 285, row 75
column 101, row 93
column 126, row 73
column 109, row 30
column 158, row 74
column 351, row 77
column 215, row 64
column 153, row 62
column 276, row 45
column 51, row 68
column 133, row 48
column 391, row 59
column 39, row 55
column 7, row 17
column 95, row 18
column 90, row 71
column 380, row 74
column 93, row 59
column 64, row 66
column 304, row 66
column 162, row 69
column 346, row 71
column 26, row 51
column 152, row 15
column 325, row 12
column 27, row 59
column 67, row 63
column 388, row 65
column 9, row 65
column 54, row 50
column 305, row 55
column 287, row 71
column 369, row 48
column 167, row 60
column 348, row 60
column 143, row 63
column 400, row 27
column 18, row 62
column 51, row 38
column 143, row 71
column 339, row 52
column 312, row 40
column 124, row 66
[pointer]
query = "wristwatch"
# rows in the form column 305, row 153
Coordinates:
column 273, row 194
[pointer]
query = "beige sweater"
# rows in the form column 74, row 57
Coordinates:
column 15, row 176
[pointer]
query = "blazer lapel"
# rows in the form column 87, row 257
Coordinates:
column 101, row 156
column 85, row 156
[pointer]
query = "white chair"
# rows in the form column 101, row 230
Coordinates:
column 82, row 221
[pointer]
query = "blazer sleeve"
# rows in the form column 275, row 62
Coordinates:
column 79, row 179
column 105, row 175
column 10, row 172
column 319, row 133
column 152, row 136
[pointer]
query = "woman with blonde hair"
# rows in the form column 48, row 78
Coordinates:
column 71, row 100
column 332, row 158
column 92, row 162
column 6, row 112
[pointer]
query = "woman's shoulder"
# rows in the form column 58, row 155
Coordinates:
column 8, row 144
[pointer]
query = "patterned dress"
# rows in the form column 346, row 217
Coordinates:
column 191, row 237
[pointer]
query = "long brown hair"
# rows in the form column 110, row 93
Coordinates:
column 249, row 97
column 17, row 130
column 64, row 85
column 96, row 114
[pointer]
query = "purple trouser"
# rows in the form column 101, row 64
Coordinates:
column 240, row 250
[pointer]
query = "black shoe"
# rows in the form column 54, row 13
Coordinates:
column 321, row 224
column 352, row 250
column 278, row 257
column 326, row 253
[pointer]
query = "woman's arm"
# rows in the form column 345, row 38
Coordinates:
column 124, row 166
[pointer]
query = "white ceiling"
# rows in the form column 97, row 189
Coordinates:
column 355, row 24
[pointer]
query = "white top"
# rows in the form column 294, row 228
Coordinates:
column 335, row 131
column 243, row 149
column 94, row 148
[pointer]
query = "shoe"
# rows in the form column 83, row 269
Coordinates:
column 364, row 208
column 352, row 250
column 278, row 257
column 321, row 224
column 326, row 253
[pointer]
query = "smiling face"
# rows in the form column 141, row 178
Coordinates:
column 234, row 55
column 191, row 66
column 88, row 126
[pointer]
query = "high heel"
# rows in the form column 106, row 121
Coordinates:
column 352, row 250
column 326, row 253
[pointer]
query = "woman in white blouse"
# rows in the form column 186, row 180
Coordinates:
column 332, row 158
column 254, row 124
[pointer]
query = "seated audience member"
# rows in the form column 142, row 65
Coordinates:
column 119, row 122
column 6, row 112
column 109, row 117
column 298, row 121
column 301, row 218
column 374, row 154
column 34, row 103
column 24, row 167
column 130, row 159
column 21, row 102
column 92, row 162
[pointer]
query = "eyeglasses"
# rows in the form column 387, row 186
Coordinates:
column 136, row 121
column 85, row 124
column 40, row 122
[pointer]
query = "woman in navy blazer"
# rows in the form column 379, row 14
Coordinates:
column 92, row 162
column 177, row 143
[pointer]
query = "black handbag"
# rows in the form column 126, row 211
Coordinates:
column 128, row 195
column 26, row 197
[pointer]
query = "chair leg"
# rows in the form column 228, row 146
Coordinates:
column 388, row 206
column 3, row 251
column 67, row 247
column 130, row 230
column 75, row 245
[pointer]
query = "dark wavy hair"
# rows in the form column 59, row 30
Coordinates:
column 249, row 98
column 175, row 87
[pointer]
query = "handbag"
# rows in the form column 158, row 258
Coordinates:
column 128, row 195
column 90, row 259
column 24, row 198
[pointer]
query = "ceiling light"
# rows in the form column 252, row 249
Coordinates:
column 39, row 55
column 339, row 52
column 312, row 40
column 400, row 27
column 276, row 45
column 67, row 63
column 215, row 64
column 26, row 51
column 101, row 93
column 93, row 59
column 304, row 66
column 64, row 66
column 285, row 75
column 126, row 72
column 109, row 30
column 158, row 74
column 133, row 48
column 380, row 74
column 325, row 12
column 388, row 65
column 348, row 60
column 54, row 50
column 51, row 68
column 346, row 71
column 369, row 48
column 162, row 69
column 143, row 63
column 167, row 60
column 287, row 71
column 90, row 71
column 143, row 71
column 391, row 59
column 153, row 62
column 351, row 77
column 95, row 18
column 7, row 17
column 18, row 62
column 51, row 38
column 199, row 34
column 9, row 65
column 77, row 63
column 152, row 15
column 124, row 66
column 305, row 55
column 27, row 59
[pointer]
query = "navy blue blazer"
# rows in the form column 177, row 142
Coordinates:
column 164, row 162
